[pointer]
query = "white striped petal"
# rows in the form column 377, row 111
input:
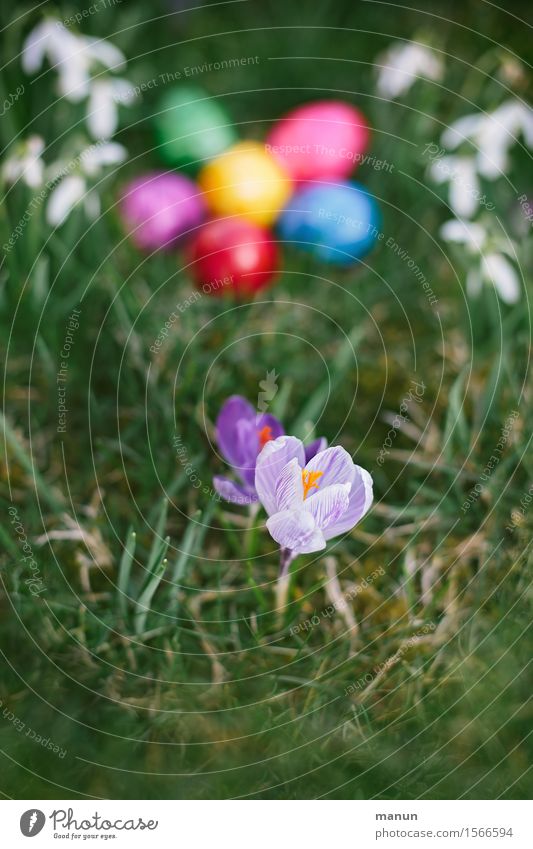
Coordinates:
column 289, row 487
column 296, row 530
column 270, row 462
column 328, row 505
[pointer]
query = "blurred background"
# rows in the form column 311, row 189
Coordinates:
column 141, row 652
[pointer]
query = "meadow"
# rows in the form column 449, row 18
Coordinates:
column 146, row 651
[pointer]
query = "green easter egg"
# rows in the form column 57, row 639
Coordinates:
column 191, row 127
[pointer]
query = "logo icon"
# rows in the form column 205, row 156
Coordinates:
column 32, row 822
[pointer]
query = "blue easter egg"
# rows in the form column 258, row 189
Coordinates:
column 337, row 222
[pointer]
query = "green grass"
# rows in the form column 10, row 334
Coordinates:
column 155, row 656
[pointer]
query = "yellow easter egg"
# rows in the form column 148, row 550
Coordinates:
column 246, row 180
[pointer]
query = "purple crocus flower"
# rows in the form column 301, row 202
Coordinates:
column 241, row 435
column 309, row 501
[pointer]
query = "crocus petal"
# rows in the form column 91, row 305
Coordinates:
column 234, row 409
column 499, row 271
column 328, row 505
column 247, row 447
column 267, row 420
column 289, row 487
column 296, row 530
column 233, row 492
column 315, row 447
column 63, row 198
column 360, row 499
column 274, row 456
column 335, row 464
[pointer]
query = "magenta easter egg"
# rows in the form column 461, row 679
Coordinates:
column 160, row 207
column 323, row 140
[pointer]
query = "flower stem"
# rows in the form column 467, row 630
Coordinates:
column 282, row 586
column 285, row 560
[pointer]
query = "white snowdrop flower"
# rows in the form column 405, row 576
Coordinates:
column 75, row 58
column 97, row 156
column 464, row 188
column 74, row 187
column 468, row 233
column 402, row 64
column 64, row 198
column 102, row 111
column 92, row 204
column 497, row 269
column 48, row 39
column 103, row 51
column 66, row 53
column 494, row 267
column 26, row 163
column 493, row 134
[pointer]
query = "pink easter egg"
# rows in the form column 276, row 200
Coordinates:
column 325, row 139
column 160, row 207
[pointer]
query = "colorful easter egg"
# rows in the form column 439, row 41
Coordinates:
column 233, row 256
column 245, row 181
column 158, row 208
column 321, row 140
column 337, row 222
column 191, row 127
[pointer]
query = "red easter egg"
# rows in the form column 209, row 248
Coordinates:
column 322, row 140
column 233, row 255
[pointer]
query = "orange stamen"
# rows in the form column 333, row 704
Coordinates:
column 309, row 480
column 265, row 435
